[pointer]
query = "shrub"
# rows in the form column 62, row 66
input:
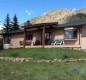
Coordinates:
column 65, row 57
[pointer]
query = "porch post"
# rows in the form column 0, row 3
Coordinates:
column 43, row 37
column 79, row 36
column 24, row 38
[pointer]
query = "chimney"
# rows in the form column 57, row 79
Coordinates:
column 28, row 21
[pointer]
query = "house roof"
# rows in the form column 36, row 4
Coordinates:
column 12, row 32
column 72, row 24
column 35, row 26
column 17, row 31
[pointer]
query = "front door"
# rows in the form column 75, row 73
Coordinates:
column 48, row 37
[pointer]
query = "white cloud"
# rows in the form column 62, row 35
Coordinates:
column 44, row 13
column 1, row 26
column 28, row 12
column 74, row 9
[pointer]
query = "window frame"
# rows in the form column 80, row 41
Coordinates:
column 29, row 37
column 72, row 37
column 48, row 35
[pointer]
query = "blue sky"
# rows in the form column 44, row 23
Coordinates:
column 27, row 9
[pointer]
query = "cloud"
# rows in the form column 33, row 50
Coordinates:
column 74, row 9
column 44, row 13
column 1, row 26
column 28, row 12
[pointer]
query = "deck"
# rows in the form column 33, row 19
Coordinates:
column 55, row 46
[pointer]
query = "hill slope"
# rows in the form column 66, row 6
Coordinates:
column 61, row 16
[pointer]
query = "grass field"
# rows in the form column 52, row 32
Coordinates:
column 42, row 71
column 40, row 53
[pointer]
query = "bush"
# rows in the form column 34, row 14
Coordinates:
column 65, row 57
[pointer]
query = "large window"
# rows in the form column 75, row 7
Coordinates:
column 29, row 37
column 71, row 34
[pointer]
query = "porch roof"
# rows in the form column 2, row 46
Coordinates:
column 29, row 25
column 72, row 24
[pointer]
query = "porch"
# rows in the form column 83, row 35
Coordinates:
column 55, row 46
column 44, row 34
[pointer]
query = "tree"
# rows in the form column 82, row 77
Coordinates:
column 15, row 25
column 7, row 28
column 7, row 24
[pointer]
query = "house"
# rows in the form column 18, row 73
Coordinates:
column 67, row 27
column 42, row 35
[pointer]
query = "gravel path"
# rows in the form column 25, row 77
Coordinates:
column 42, row 60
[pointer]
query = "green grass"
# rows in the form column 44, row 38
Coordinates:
column 46, row 53
column 42, row 71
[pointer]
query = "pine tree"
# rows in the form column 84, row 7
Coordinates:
column 7, row 29
column 7, row 24
column 15, row 25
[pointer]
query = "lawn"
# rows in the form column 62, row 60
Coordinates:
column 42, row 71
column 43, row 53
column 10, row 70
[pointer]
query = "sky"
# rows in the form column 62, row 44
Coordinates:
column 28, row 9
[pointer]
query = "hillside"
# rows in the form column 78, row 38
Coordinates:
column 61, row 16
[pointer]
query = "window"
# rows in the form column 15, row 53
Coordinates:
column 47, row 35
column 29, row 37
column 71, row 34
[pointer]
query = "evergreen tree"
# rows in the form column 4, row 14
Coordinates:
column 7, row 24
column 7, row 28
column 15, row 25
